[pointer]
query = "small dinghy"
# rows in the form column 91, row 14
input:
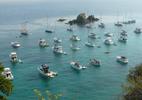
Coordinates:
column 77, row 66
column 92, row 36
column 7, row 74
column 43, row 43
column 15, row 44
column 122, row 59
column 89, row 44
column 57, row 40
column 118, row 24
column 44, row 70
column 101, row 25
column 48, row 31
column 95, row 62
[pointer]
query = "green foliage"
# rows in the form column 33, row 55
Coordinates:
column 133, row 88
column 50, row 95
column 5, row 85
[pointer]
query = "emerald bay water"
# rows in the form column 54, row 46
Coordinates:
column 93, row 83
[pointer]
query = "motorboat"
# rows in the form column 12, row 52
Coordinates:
column 95, row 62
column 122, row 38
column 58, row 49
column 122, row 59
column 138, row 30
column 48, row 31
column 7, row 74
column 57, row 40
column 89, row 44
column 108, row 41
column 43, row 43
column 24, row 30
column 109, row 34
column 44, row 70
column 75, row 38
column 77, row 66
column 13, row 57
column 15, row 44
column 118, row 24
column 92, row 36
column 101, row 25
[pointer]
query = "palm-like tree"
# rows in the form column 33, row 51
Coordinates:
column 5, row 85
column 133, row 88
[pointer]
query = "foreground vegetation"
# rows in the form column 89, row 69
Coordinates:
column 5, row 85
column 133, row 88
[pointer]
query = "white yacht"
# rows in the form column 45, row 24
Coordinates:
column 76, row 65
column 138, row 30
column 44, row 70
column 13, row 57
column 43, row 43
column 15, row 44
column 92, row 36
column 108, row 41
column 101, row 25
column 7, row 74
column 118, row 24
column 58, row 49
column 122, row 59
column 75, row 38
column 57, row 40
column 95, row 62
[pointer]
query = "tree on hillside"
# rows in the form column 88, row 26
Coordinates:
column 133, row 87
column 5, row 85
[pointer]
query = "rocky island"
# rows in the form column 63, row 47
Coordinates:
column 82, row 19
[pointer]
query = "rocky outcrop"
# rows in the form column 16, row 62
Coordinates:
column 82, row 19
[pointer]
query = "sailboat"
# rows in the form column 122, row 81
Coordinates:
column 74, row 47
column 89, row 43
column 48, row 30
column 24, row 30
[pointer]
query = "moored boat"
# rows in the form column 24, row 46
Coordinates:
column 7, row 74
column 122, row 59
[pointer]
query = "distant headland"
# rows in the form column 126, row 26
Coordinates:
column 82, row 19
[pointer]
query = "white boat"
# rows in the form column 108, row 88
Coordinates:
column 118, row 24
column 109, row 34
column 7, row 74
column 92, row 36
column 95, row 62
column 77, row 66
column 74, row 47
column 43, row 43
column 122, row 59
column 122, row 38
column 58, row 49
column 44, row 70
column 108, row 41
column 101, row 25
column 13, row 57
column 138, row 30
column 15, row 44
column 89, row 44
column 57, row 40
column 75, row 38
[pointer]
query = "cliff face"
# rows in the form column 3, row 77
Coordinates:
column 82, row 19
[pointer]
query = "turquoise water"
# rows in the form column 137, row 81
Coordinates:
column 94, row 83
